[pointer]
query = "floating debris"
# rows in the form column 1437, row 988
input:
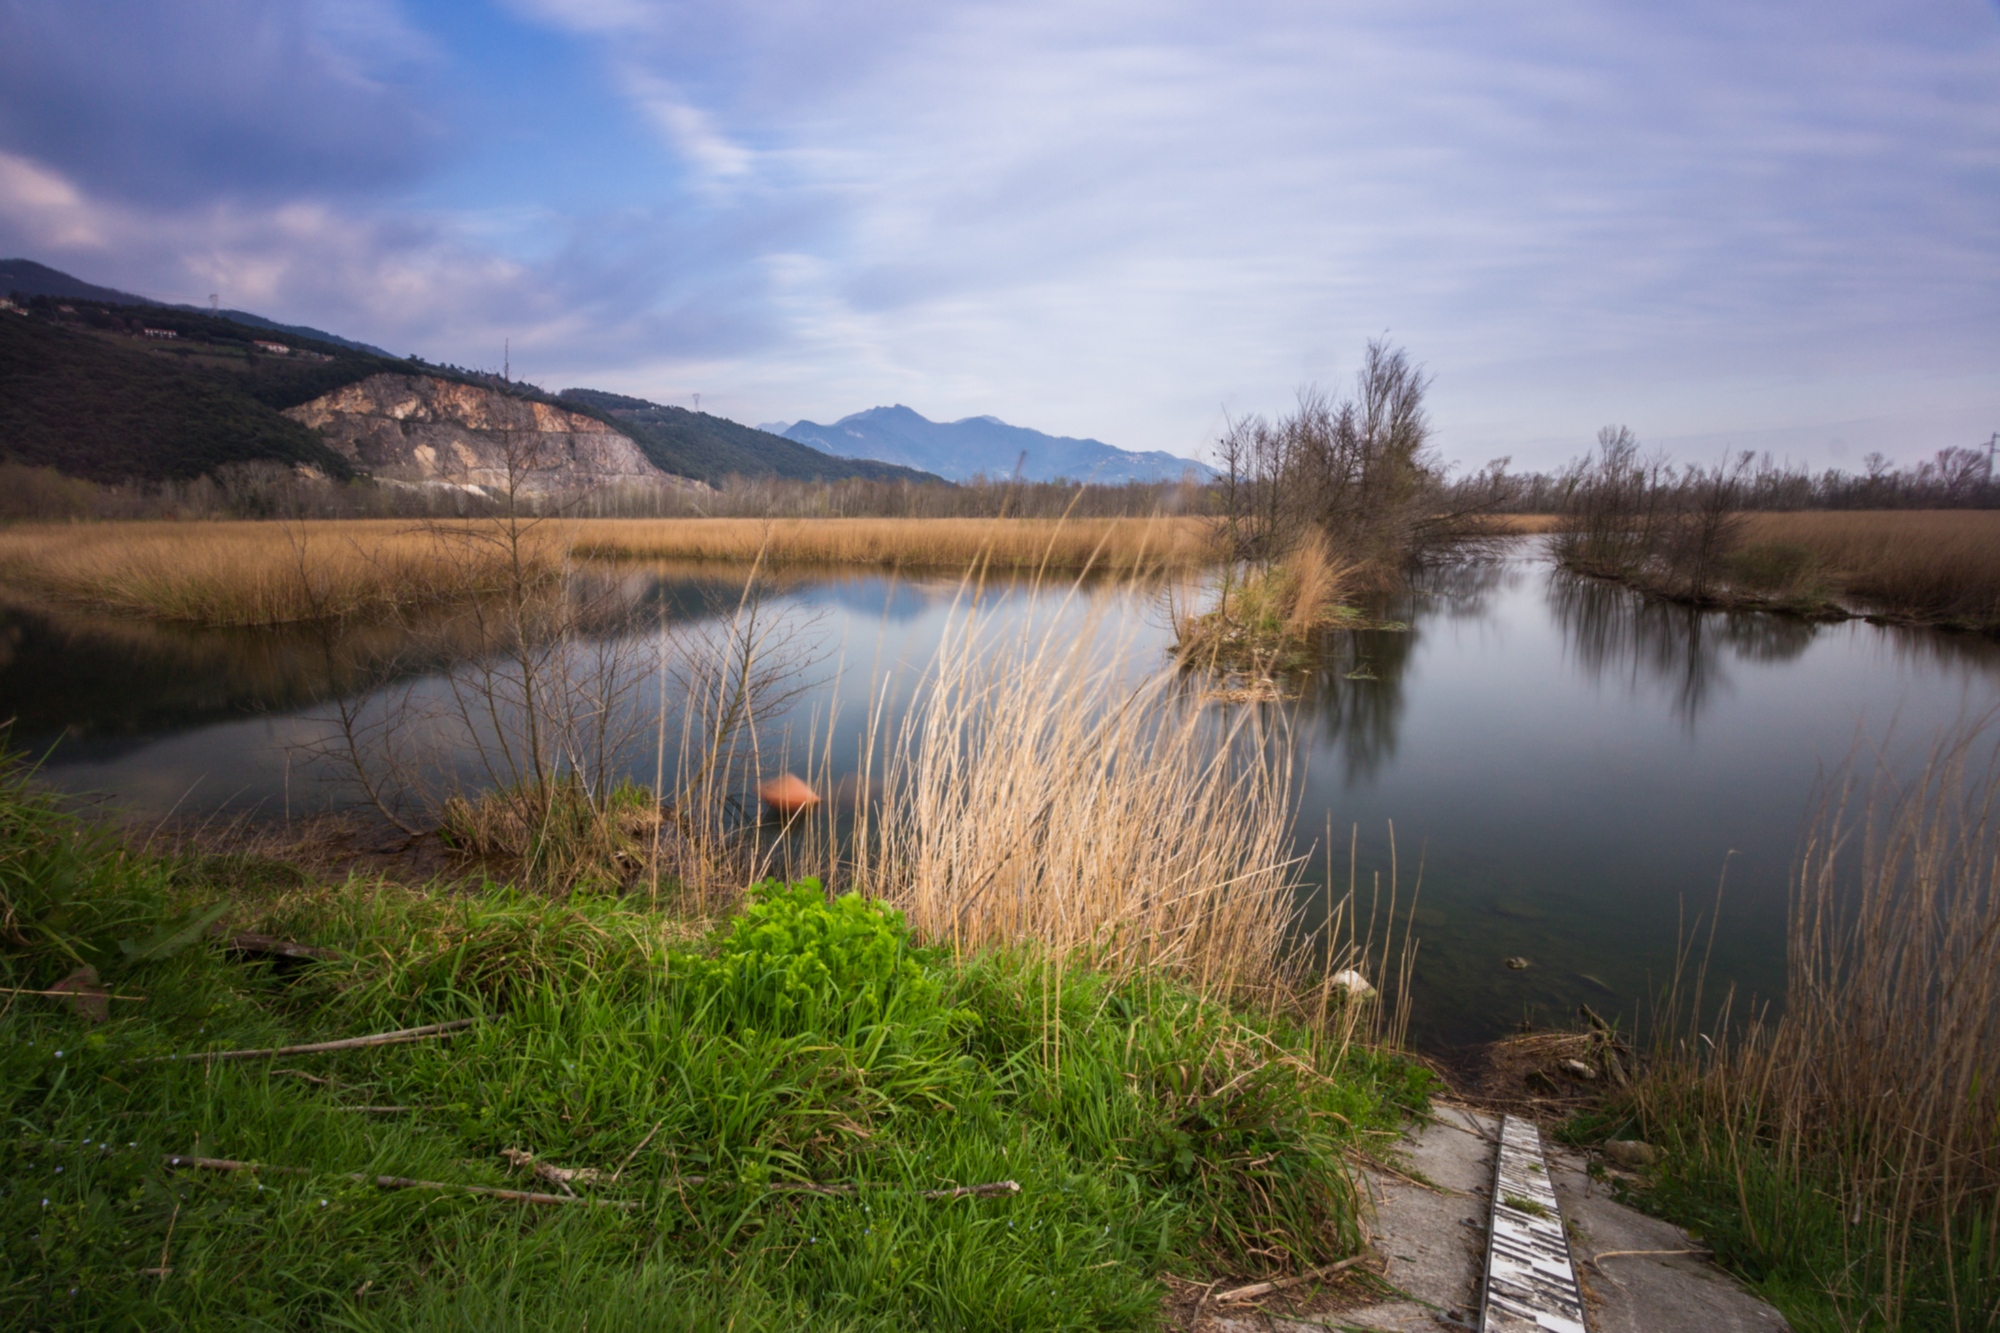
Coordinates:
column 787, row 794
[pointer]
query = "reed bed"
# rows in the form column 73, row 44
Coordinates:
column 1850, row 1146
column 259, row 573
column 1034, row 798
column 1933, row 565
column 226, row 574
column 1099, row 544
column 1514, row 525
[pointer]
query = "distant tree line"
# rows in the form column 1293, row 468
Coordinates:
column 1953, row 478
column 263, row 490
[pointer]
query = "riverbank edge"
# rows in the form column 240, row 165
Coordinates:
column 1825, row 611
column 360, row 949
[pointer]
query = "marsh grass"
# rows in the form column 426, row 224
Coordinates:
column 1272, row 618
column 1846, row 1150
column 1937, row 566
column 227, row 574
column 1036, row 793
column 1102, row 545
column 1173, row 1134
column 278, row 573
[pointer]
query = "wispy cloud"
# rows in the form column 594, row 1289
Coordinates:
column 1761, row 224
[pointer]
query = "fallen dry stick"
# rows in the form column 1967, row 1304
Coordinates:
column 529, row 1196
column 313, row 1048
column 1256, row 1289
column 68, row 994
column 394, row 1182
column 987, row 1191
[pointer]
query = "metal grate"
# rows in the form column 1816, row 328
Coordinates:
column 1530, row 1285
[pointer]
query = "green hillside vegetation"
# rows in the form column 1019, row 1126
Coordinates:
column 83, row 390
column 94, row 399
column 25, row 277
column 709, row 448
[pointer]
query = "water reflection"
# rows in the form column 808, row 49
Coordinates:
column 1569, row 763
column 1614, row 633
column 1358, row 694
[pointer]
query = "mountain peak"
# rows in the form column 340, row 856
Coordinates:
column 984, row 446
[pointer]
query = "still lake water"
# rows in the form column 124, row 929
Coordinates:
column 1571, row 767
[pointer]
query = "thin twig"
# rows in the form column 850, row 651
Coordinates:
column 635, row 1152
column 1616, row 1254
column 1256, row 1289
column 164, row 1269
column 987, row 1191
column 393, row 1182
column 69, row 994
column 1376, row 1164
column 346, row 1044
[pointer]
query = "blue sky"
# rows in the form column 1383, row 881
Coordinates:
column 1728, row 224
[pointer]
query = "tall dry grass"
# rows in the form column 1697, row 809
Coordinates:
column 1925, row 564
column 1035, row 796
column 1100, row 544
column 1857, row 1133
column 271, row 573
column 1515, row 525
column 251, row 573
column 1029, row 799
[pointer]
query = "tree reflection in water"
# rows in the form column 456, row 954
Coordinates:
column 1358, row 692
column 1613, row 632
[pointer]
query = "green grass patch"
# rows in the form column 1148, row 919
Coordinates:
column 1777, row 1225
column 805, row 1040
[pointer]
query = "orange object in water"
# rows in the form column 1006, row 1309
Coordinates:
column 787, row 794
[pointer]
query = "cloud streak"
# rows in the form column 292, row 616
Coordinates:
column 1776, row 225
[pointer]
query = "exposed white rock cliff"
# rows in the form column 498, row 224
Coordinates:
column 414, row 428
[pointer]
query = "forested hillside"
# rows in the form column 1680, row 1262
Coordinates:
column 93, row 398
column 116, row 392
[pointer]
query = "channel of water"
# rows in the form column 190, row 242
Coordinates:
column 1570, row 771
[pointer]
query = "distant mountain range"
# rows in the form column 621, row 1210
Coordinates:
column 984, row 446
column 109, row 385
column 709, row 448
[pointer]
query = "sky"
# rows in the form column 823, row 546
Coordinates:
column 1725, row 223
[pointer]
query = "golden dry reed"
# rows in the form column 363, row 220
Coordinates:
column 237, row 573
column 1927, row 564
column 1515, row 525
column 1034, row 797
column 1018, row 544
column 1878, row 1086
column 269, row 573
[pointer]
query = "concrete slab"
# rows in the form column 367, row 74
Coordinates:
column 1429, row 1231
column 1643, row 1275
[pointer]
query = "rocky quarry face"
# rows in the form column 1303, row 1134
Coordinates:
column 419, row 430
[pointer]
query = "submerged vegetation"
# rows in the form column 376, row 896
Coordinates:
column 796, row 1117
